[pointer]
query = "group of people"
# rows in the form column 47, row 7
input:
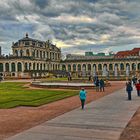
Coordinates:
column 99, row 87
column 129, row 87
column 69, row 77
column 100, row 84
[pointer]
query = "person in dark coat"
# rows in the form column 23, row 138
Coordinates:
column 102, row 84
column 129, row 89
column 134, row 80
column 97, row 83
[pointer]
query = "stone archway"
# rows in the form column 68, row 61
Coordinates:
column 89, row 69
column 84, row 70
column 94, row 70
column 105, row 70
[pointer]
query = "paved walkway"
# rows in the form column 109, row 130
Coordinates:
column 103, row 119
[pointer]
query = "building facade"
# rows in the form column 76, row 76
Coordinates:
column 34, row 58
column 30, row 58
column 121, row 64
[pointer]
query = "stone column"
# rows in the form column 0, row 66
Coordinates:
column 4, row 67
column 22, row 65
column 10, row 68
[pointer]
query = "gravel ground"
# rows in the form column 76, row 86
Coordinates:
column 13, row 121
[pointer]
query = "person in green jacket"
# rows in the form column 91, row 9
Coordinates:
column 82, row 95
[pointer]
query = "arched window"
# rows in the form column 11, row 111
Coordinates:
column 26, row 66
column 27, row 53
column 44, row 66
column 40, row 66
column 1, row 67
column 105, row 65
column 21, row 53
column 84, row 67
column 33, row 66
column 13, row 67
column 37, row 53
column 53, row 55
column 7, row 67
column 40, row 54
column 110, row 67
column 16, row 52
column 33, row 53
column 79, row 67
column 133, row 66
column 116, row 66
column 74, row 67
column 19, row 67
column 89, row 67
column 94, row 66
column 69, row 67
column 128, row 65
column 47, row 55
column 63, row 67
column 30, row 65
column 99, row 67
column 37, row 66
column 44, row 54
column 121, row 66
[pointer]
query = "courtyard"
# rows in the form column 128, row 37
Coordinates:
column 21, row 109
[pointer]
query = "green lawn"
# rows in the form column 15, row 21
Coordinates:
column 14, row 94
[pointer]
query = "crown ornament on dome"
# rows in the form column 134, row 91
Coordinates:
column 26, row 35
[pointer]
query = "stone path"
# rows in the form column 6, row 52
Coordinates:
column 103, row 119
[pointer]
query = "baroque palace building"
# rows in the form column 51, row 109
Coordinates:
column 121, row 64
column 34, row 58
column 30, row 58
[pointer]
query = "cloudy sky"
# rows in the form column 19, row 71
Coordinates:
column 74, row 25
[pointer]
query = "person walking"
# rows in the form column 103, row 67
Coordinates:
column 97, row 84
column 102, row 84
column 82, row 95
column 129, row 89
column 138, row 87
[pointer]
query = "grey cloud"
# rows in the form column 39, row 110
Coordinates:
column 41, row 3
column 119, row 19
